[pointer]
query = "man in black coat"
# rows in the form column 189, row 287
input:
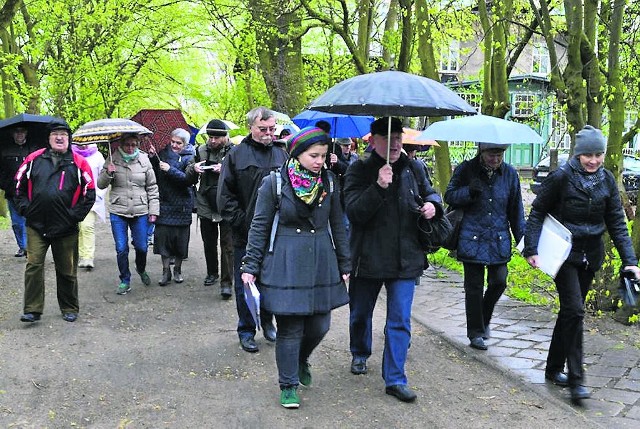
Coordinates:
column 384, row 213
column 11, row 157
column 243, row 169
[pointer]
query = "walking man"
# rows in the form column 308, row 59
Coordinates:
column 243, row 169
column 55, row 191
column 208, row 165
column 12, row 156
column 385, row 249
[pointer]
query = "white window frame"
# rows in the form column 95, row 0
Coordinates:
column 541, row 59
column 450, row 58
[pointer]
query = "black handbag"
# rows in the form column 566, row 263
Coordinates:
column 629, row 289
column 455, row 218
column 434, row 233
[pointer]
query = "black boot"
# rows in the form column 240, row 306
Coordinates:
column 177, row 274
column 166, row 277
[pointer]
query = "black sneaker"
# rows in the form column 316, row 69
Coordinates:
column 210, row 280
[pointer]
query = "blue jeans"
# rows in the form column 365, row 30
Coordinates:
column 120, row 226
column 18, row 224
column 363, row 294
column 246, row 325
column 298, row 336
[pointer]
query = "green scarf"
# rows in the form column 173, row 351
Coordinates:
column 128, row 158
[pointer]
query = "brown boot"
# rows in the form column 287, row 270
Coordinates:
column 166, row 277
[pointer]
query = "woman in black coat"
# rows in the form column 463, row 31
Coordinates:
column 584, row 197
column 300, row 260
column 172, row 232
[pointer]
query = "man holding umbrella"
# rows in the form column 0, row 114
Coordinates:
column 384, row 214
column 13, row 154
column 55, row 191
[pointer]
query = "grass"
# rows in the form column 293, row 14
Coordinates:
column 523, row 283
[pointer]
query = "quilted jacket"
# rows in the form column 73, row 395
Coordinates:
column 491, row 217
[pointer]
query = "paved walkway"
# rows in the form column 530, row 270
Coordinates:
column 520, row 337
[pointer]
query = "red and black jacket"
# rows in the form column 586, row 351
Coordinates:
column 54, row 198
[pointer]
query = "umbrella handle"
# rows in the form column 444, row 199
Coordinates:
column 388, row 139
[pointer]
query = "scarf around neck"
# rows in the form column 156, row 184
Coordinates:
column 84, row 151
column 586, row 179
column 128, row 158
column 306, row 185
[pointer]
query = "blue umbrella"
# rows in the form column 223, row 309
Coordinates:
column 481, row 128
column 341, row 125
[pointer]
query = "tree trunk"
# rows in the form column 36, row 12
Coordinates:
column 429, row 69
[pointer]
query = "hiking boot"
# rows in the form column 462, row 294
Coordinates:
column 30, row 317
column 304, row 373
column 145, row 278
column 177, row 275
column 70, row 317
column 289, row 398
column 123, row 289
column 166, row 277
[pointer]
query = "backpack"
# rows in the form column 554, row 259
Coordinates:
column 276, row 189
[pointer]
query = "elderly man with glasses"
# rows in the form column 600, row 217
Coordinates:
column 243, row 169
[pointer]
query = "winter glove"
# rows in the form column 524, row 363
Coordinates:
column 475, row 187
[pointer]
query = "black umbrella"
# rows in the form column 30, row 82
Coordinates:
column 391, row 93
column 36, row 126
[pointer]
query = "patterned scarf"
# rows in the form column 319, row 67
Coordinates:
column 129, row 157
column 487, row 169
column 306, row 185
column 588, row 180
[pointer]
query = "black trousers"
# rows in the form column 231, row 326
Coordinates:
column 572, row 283
column 479, row 304
column 210, row 231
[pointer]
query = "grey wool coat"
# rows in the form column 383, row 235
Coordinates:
column 303, row 273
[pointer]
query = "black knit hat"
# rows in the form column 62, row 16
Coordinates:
column 216, row 127
column 59, row 125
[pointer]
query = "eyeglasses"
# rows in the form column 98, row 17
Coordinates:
column 265, row 129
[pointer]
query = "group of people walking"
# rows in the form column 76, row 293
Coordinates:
column 303, row 228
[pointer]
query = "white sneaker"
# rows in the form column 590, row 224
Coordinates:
column 85, row 263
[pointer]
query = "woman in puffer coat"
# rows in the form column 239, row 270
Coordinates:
column 133, row 203
column 303, row 277
column 583, row 196
column 172, row 232
column 488, row 190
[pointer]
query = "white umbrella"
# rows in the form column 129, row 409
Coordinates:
column 481, row 128
column 230, row 126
